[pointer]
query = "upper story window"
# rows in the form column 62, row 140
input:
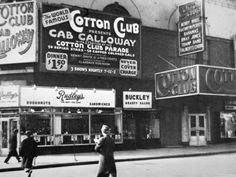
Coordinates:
column 117, row 9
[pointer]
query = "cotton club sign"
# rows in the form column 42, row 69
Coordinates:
column 195, row 80
column 17, row 32
column 77, row 40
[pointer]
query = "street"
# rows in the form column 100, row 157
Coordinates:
column 202, row 166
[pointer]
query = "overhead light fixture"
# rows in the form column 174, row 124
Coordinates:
column 99, row 111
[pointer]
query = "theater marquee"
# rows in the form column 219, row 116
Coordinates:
column 195, row 80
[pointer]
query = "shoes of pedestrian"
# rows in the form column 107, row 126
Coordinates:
column 27, row 170
column 30, row 172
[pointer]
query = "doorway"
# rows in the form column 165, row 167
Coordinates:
column 197, row 128
column 7, row 125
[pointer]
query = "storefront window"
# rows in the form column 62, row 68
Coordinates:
column 228, row 124
column 70, row 126
column 39, row 125
column 140, row 126
column 148, row 128
column 129, row 126
column 75, row 129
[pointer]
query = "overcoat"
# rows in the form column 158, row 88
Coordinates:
column 105, row 147
column 13, row 145
column 28, row 151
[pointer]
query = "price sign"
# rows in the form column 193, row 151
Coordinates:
column 56, row 61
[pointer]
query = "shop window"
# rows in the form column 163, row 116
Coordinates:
column 228, row 125
column 69, row 126
column 147, row 128
column 39, row 125
column 141, row 126
column 129, row 127
column 75, row 129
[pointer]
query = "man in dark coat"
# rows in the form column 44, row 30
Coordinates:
column 13, row 146
column 106, row 146
column 28, row 152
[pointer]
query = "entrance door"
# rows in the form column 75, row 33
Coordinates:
column 197, row 127
column 7, row 125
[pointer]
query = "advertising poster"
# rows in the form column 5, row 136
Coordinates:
column 77, row 40
column 191, row 31
column 18, row 32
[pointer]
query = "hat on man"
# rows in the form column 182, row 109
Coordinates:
column 105, row 129
column 28, row 133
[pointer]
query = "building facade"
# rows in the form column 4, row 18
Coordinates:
column 69, row 67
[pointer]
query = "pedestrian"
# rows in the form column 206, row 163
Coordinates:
column 28, row 152
column 105, row 146
column 12, row 148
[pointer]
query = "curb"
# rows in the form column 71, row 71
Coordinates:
column 119, row 160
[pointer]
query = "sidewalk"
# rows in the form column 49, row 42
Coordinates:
column 47, row 161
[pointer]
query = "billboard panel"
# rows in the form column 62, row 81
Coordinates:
column 18, row 32
column 78, row 40
column 191, row 32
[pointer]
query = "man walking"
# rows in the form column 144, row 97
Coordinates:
column 12, row 147
column 106, row 146
column 28, row 152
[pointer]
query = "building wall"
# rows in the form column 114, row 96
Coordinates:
column 220, row 52
column 171, row 125
column 220, row 15
column 159, row 53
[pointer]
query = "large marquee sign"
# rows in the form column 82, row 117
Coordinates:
column 18, row 32
column 77, row 40
column 195, row 80
column 175, row 83
column 191, row 32
column 217, row 80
